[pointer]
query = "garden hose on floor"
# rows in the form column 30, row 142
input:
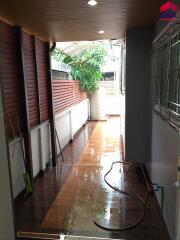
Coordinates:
column 132, row 194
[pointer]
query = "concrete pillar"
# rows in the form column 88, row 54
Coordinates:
column 97, row 106
column 138, row 107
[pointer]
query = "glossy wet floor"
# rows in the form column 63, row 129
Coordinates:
column 45, row 236
column 84, row 197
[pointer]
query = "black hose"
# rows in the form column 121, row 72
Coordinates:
column 132, row 194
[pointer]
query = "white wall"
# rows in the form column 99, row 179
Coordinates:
column 114, row 105
column 70, row 121
column 17, row 166
column 163, row 167
column 6, row 210
column 36, row 154
column 41, row 147
column 45, row 145
column 79, row 116
column 67, row 124
column 41, row 154
column 63, row 123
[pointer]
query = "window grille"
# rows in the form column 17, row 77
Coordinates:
column 166, row 75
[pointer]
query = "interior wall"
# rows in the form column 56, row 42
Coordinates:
column 17, row 166
column 7, row 231
column 67, row 122
column 163, row 168
column 10, row 76
column 41, row 147
column 79, row 116
column 113, row 105
column 41, row 155
column 36, row 77
column 36, row 154
column 138, row 111
column 45, row 144
column 63, row 126
column 35, row 72
column 162, row 153
column 177, row 228
column 31, row 78
column 178, row 198
column 70, row 121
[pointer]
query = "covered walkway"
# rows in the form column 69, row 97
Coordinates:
column 41, row 114
column 79, row 196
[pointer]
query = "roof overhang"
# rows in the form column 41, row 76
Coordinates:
column 75, row 20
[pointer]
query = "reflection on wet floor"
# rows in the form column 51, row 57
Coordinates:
column 85, row 197
column 30, row 212
column 81, row 196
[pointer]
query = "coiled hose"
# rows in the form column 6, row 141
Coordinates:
column 132, row 194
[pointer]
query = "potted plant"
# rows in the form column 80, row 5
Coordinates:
column 86, row 68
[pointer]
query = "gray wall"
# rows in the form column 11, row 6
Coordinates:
column 6, row 211
column 160, row 154
column 138, row 111
column 163, row 167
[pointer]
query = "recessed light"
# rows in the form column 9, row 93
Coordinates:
column 101, row 32
column 92, row 2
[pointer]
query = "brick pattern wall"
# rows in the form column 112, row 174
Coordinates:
column 36, row 77
column 42, row 72
column 30, row 74
column 9, row 76
column 67, row 93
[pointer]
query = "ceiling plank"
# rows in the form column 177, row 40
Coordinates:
column 75, row 20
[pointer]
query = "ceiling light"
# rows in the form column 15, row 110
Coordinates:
column 101, row 31
column 92, row 2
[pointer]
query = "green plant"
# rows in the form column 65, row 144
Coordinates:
column 85, row 66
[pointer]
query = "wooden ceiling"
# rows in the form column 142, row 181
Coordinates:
column 75, row 20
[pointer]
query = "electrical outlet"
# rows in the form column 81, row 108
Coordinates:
column 178, row 170
column 179, row 163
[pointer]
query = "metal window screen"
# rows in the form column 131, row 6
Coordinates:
column 166, row 76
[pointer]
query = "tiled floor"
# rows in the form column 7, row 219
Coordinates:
column 30, row 212
column 83, row 196
column 70, row 237
column 36, row 236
